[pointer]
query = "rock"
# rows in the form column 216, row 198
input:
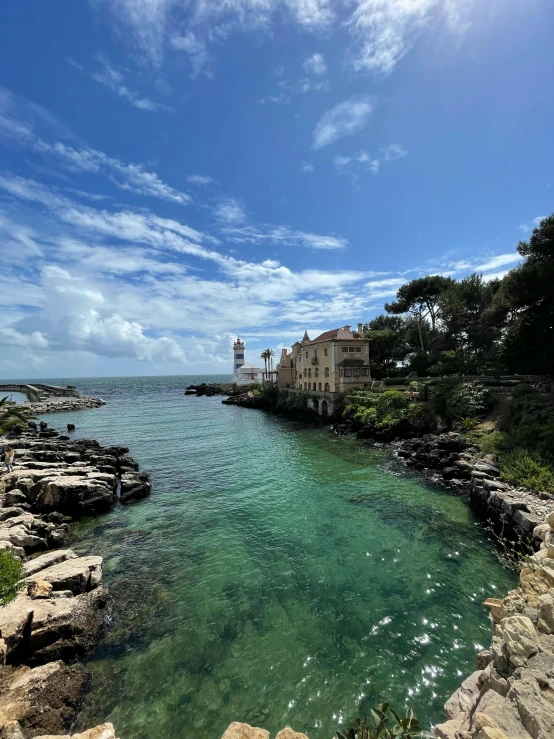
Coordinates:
column 47, row 560
column 483, row 659
column 18, row 551
column 14, row 498
column 550, row 520
column 488, row 732
column 540, row 531
column 11, row 730
column 534, row 583
column 535, row 704
column 78, row 575
column 449, row 730
column 76, row 495
column 499, row 713
column 463, row 700
column 288, row 733
column 520, row 639
column 39, row 589
column 545, row 613
column 37, row 631
column 71, row 427
column 43, row 699
column 244, row 731
column 134, row 485
column 526, row 521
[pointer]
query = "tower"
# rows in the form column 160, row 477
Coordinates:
column 238, row 351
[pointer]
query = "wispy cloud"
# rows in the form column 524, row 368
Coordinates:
column 115, row 81
column 345, row 119
column 315, row 64
column 199, row 179
column 283, row 235
column 394, row 151
column 361, row 160
column 280, row 99
column 307, row 167
column 230, row 212
column 197, row 50
column 535, row 223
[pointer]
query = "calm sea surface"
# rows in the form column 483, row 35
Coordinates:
column 277, row 575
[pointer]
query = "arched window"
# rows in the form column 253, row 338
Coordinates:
column 326, row 387
column 305, row 386
column 320, row 386
column 292, row 363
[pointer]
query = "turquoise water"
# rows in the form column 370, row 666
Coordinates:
column 277, row 575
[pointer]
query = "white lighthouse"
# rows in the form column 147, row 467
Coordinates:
column 244, row 373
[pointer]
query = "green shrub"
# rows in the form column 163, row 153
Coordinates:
column 421, row 418
column 11, row 576
column 493, row 443
column 469, row 423
column 527, row 469
column 468, row 399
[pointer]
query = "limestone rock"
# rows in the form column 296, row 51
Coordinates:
column 76, row 495
column 540, row 531
column 39, row 589
column 134, row 486
column 42, row 699
column 545, row 613
column 550, row 520
column 488, row 732
column 463, row 700
column 288, row 733
column 244, row 731
column 11, row 730
column 520, row 638
column 78, row 575
column 534, row 583
column 535, row 703
column 499, row 713
column 47, row 560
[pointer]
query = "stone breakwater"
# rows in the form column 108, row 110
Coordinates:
column 59, row 614
column 61, row 405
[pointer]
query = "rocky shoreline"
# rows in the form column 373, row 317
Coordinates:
column 61, row 405
column 59, row 616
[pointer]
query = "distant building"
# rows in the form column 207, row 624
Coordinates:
column 334, row 362
column 244, row 373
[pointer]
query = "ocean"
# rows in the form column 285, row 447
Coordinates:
column 278, row 574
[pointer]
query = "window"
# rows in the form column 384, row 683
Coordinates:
column 348, row 372
column 307, row 355
column 317, row 372
column 315, row 353
column 356, row 372
column 305, row 386
column 239, row 356
column 351, row 349
column 358, row 348
column 365, row 371
column 237, row 366
column 326, row 387
column 326, row 371
column 299, row 377
column 344, row 349
column 326, row 352
column 320, row 386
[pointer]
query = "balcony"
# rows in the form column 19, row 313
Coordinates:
column 315, row 360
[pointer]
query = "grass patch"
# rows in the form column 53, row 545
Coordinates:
column 529, row 469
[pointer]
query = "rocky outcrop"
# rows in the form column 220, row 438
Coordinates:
column 511, row 695
column 61, row 405
column 104, row 731
column 513, row 512
column 245, row 731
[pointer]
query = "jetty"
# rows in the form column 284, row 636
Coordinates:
column 39, row 391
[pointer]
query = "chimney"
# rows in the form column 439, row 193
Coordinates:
column 361, row 329
column 347, row 328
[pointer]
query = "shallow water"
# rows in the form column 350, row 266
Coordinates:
column 277, row 575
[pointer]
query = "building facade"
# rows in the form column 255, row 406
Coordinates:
column 334, row 362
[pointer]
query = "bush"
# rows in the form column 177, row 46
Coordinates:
column 421, row 418
column 384, row 723
column 11, row 576
column 468, row 399
column 395, row 381
column 493, row 443
column 529, row 470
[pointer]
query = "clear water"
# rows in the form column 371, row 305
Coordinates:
column 277, row 575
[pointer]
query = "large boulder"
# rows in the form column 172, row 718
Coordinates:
column 288, row 733
column 76, row 495
column 78, row 575
column 39, row 700
column 47, row 560
column 463, row 700
column 520, row 639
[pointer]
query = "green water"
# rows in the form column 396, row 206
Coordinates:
column 277, row 575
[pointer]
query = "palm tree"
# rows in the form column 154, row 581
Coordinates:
column 11, row 416
column 265, row 356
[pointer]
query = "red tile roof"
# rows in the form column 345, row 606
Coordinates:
column 329, row 335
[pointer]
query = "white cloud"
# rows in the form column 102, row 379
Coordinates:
column 307, row 167
column 114, row 81
column 315, row 64
column 345, row 119
column 394, row 151
column 197, row 51
column 199, row 179
column 361, row 160
column 229, row 211
column 500, row 260
column 280, row 99
column 535, row 223
column 283, row 235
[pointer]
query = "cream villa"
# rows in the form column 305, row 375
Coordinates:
column 334, row 362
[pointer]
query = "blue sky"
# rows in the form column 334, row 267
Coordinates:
column 174, row 173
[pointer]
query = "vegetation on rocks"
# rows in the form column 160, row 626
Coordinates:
column 388, row 414
column 384, row 723
column 11, row 576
